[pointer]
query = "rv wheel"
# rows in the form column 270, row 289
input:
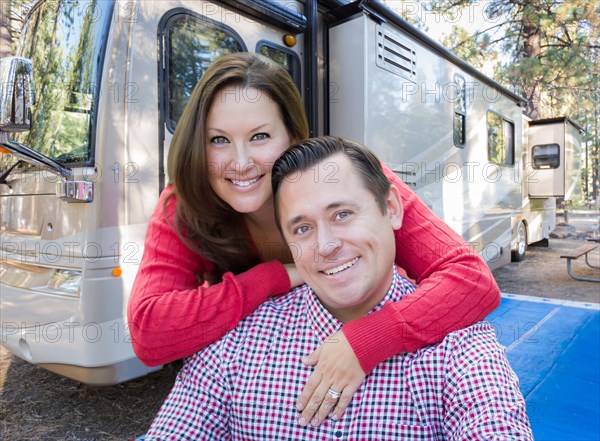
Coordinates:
column 519, row 254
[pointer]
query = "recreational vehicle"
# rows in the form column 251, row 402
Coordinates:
column 89, row 106
column 546, row 144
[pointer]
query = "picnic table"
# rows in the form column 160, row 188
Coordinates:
column 576, row 253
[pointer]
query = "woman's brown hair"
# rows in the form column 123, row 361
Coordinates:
column 207, row 224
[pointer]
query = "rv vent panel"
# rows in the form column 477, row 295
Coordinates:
column 395, row 54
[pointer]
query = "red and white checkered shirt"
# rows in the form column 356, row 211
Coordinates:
column 245, row 386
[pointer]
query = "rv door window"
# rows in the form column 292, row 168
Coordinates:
column 193, row 43
column 546, row 156
column 64, row 40
column 501, row 139
column 285, row 57
column 509, row 142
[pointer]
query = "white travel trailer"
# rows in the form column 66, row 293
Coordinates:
column 88, row 110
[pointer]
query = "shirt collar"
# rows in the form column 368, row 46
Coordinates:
column 324, row 324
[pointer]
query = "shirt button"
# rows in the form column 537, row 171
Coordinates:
column 338, row 434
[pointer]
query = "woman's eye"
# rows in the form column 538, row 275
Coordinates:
column 219, row 140
column 343, row 214
column 260, row 136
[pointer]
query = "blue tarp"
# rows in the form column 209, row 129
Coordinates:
column 554, row 347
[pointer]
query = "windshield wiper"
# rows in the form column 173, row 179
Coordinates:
column 70, row 157
column 30, row 156
column 5, row 174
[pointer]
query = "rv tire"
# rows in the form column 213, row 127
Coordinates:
column 518, row 254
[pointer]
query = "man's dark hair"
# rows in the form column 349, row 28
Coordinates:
column 310, row 152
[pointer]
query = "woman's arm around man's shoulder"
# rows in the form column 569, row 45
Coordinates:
column 171, row 314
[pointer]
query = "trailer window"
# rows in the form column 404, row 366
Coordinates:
column 546, row 156
column 460, row 112
column 64, row 40
column 193, row 43
column 288, row 59
column 501, row 139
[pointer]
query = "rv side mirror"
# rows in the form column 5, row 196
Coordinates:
column 17, row 94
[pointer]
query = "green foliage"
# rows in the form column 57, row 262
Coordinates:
column 545, row 47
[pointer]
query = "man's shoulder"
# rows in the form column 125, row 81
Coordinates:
column 482, row 330
column 272, row 315
column 277, row 309
column 267, row 322
column 472, row 343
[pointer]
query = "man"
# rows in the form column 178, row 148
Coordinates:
column 337, row 211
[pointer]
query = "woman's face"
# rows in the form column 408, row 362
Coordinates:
column 245, row 135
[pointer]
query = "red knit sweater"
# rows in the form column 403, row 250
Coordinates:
column 171, row 317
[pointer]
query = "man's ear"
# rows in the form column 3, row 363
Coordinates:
column 395, row 208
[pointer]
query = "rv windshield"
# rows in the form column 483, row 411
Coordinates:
column 64, row 41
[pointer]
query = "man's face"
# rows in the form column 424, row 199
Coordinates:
column 343, row 244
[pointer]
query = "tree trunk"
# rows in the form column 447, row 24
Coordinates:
column 532, row 34
column 595, row 160
column 5, row 43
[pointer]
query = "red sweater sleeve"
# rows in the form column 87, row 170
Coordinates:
column 455, row 288
column 170, row 316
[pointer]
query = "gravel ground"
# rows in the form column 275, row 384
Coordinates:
column 38, row 405
column 544, row 274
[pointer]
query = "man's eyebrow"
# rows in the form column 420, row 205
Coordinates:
column 295, row 220
column 331, row 206
column 342, row 203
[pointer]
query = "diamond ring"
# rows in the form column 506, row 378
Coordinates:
column 333, row 394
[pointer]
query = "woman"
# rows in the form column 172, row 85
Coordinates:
column 213, row 252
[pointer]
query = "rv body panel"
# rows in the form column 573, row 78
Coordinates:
column 407, row 117
column 539, row 215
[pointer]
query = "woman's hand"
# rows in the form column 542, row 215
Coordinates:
column 338, row 369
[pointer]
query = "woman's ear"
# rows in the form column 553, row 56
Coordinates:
column 395, row 208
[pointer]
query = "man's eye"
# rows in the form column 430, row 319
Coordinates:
column 219, row 140
column 343, row 214
column 260, row 136
column 302, row 229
